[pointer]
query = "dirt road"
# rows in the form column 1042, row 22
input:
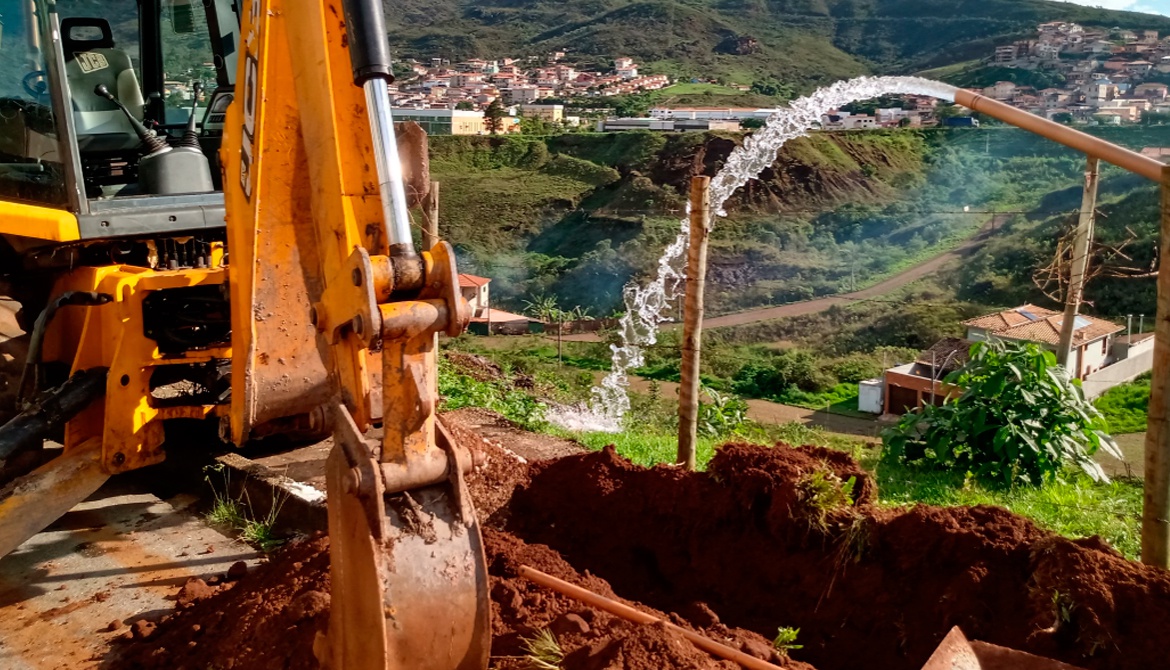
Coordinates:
column 887, row 286
column 765, row 411
column 877, row 290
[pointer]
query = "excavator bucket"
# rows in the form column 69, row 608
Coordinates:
column 408, row 573
column 956, row 652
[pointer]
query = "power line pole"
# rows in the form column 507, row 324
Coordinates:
column 1082, row 246
column 688, row 394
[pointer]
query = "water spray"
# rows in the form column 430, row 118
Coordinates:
column 647, row 307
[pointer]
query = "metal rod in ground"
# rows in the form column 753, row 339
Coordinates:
column 1156, row 500
column 628, row 613
column 430, row 207
column 688, row 393
column 1082, row 246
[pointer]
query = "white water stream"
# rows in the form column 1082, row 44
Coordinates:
column 647, row 306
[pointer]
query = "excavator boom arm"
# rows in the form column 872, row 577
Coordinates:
column 335, row 316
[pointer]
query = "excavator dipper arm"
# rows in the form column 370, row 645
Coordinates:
column 323, row 273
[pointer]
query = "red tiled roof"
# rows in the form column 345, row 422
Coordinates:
column 499, row 316
column 1037, row 324
column 466, row 280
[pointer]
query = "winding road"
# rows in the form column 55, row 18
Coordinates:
column 885, row 287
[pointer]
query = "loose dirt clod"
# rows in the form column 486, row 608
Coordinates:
column 142, row 629
column 192, row 592
column 237, row 571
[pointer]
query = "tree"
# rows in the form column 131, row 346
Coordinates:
column 1019, row 419
column 1063, row 117
column 631, row 106
column 947, row 111
column 752, row 124
column 773, row 88
column 465, row 105
column 493, row 117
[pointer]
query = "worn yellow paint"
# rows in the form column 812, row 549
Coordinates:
column 129, row 428
column 39, row 223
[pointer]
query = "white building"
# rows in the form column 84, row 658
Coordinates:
column 1092, row 338
column 712, row 113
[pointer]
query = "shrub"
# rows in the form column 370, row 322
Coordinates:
column 1018, row 419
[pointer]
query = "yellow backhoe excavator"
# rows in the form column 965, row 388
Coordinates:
column 250, row 265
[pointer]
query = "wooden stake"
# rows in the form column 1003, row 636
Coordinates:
column 430, row 207
column 688, row 394
column 628, row 613
column 1156, row 501
column 1082, row 247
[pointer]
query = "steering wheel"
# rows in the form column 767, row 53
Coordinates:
column 35, row 83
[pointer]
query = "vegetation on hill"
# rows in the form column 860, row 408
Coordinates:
column 804, row 43
column 576, row 216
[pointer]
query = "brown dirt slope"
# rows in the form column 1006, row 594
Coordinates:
column 749, row 539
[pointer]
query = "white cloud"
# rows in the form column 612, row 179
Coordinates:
column 1148, row 6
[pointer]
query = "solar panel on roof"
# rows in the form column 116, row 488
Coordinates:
column 1030, row 316
column 1082, row 322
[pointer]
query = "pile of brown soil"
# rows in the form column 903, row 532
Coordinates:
column 866, row 586
column 767, row 538
column 267, row 619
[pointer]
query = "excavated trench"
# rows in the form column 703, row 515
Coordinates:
column 766, row 538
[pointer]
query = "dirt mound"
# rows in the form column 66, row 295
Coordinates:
column 780, row 537
column 767, row 538
column 592, row 640
column 267, row 619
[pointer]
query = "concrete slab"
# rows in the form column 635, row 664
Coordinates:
column 115, row 558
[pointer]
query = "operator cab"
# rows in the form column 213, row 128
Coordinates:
column 95, row 104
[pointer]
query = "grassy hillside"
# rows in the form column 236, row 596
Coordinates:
column 578, row 215
column 802, row 42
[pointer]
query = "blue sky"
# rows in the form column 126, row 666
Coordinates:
column 1151, row 6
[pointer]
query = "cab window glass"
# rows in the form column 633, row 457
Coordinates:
column 30, row 160
column 187, row 56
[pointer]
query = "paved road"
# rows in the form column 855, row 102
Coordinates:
column 887, row 286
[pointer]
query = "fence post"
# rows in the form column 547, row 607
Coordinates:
column 1156, row 500
column 1082, row 250
column 688, row 394
column 430, row 207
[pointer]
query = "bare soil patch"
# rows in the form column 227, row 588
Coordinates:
column 767, row 537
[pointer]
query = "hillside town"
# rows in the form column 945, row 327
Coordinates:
column 1065, row 72
column 1103, row 76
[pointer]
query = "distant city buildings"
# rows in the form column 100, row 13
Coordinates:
column 1105, row 75
column 472, row 85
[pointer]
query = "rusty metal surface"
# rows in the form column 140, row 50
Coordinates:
column 956, row 652
column 417, row 598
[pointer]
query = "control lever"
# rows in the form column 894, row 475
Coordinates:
column 190, row 135
column 152, row 143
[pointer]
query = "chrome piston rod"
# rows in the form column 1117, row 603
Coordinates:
column 390, row 183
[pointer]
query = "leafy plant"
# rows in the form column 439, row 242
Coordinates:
column 785, row 640
column 543, row 651
column 724, row 415
column 1019, row 418
column 459, row 390
column 824, row 493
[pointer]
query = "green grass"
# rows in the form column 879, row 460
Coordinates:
column 647, row 448
column 1073, row 506
column 1126, row 407
column 237, row 515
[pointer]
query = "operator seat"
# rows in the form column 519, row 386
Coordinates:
column 92, row 59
